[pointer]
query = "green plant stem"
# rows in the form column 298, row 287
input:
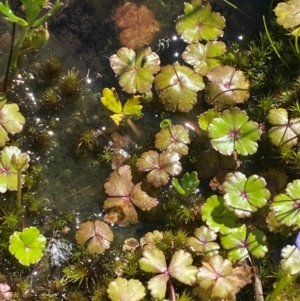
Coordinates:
column 17, row 48
column 18, row 204
column 280, row 285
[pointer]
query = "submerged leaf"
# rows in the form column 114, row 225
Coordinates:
column 175, row 139
column 233, row 132
column 283, row 131
column 97, row 235
column 161, row 166
column 204, row 57
column 177, row 87
column 123, row 194
column 135, row 69
column 199, row 23
column 245, row 195
column 226, row 87
column 122, row 289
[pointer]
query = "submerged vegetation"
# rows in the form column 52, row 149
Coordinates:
column 185, row 183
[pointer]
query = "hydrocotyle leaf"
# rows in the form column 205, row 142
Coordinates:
column 290, row 259
column 199, row 23
column 232, row 131
column 122, row 289
column 245, row 195
column 177, row 87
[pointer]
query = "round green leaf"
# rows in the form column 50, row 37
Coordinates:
column 245, row 195
column 27, row 246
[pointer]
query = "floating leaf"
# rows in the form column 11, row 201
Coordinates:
column 97, row 235
column 180, row 267
column 177, row 87
column 111, row 101
column 174, row 139
column 217, row 216
column 290, row 259
column 288, row 14
column 123, row 194
column 189, row 183
column 240, row 245
column 226, row 87
column 27, row 246
column 204, row 57
column 11, row 122
column 220, row 279
column 284, row 131
column 245, row 195
column 233, row 132
column 287, row 205
column 11, row 158
column 203, row 241
column 135, row 69
column 161, row 166
column 199, row 23
column 122, row 289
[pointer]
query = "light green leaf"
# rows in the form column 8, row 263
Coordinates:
column 240, row 245
column 135, row 69
column 177, row 87
column 153, row 261
column 283, row 131
column 245, row 195
column 27, row 246
column 206, row 118
column 290, row 259
column 204, row 57
column 157, row 285
column 122, row 289
column 217, row 216
column 203, row 241
column 33, row 8
column 6, row 10
column 233, row 132
column 199, row 23
column 286, row 206
column 181, row 267
column 288, row 14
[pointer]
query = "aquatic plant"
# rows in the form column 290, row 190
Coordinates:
column 135, row 69
column 122, row 195
column 51, row 99
column 111, row 101
column 284, row 131
column 199, row 23
column 180, row 268
column 160, row 166
column 27, row 246
column 204, row 57
column 33, row 28
column 134, row 289
column 218, row 279
column 244, row 195
column 174, row 138
column 71, row 84
column 232, row 131
column 188, row 183
column 97, row 235
column 177, row 87
column 226, row 87
column 132, row 19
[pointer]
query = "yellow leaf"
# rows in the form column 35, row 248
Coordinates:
column 111, row 101
column 132, row 106
column 117, row 118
